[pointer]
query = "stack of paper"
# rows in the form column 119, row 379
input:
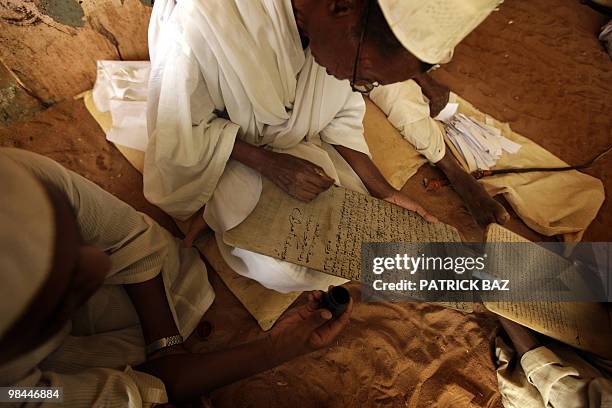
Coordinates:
column 480, row 144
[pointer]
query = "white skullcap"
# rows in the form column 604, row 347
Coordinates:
column 27, row 235
column 431, row 29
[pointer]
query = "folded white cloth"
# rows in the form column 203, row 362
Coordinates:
column 121, row 88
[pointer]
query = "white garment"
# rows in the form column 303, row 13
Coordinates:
column 91, row 358
column 121, row 88
column 27, row 241
column 552, row 376
column 408, row 111
column 431, row 29
column 227, row 69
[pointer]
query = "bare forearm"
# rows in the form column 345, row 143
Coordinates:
column 424, row 80
column 437, row 93
column 187, row 376
column 252, row 156
column 151, row 304
column 522, row 338
column 367, row 171
column 429, row 86
column 297, row 177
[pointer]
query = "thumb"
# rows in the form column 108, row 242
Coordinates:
column 411, row 205
column 426, row 215
column 317, row 319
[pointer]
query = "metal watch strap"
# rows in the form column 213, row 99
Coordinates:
column 163, row 343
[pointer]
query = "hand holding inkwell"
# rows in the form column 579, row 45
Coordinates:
column 336, row 300
column 313, row 325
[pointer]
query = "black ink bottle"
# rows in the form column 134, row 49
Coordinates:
column 336, row 300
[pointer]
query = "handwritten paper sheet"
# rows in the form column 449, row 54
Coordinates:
column 326, row 234
column 585, row 326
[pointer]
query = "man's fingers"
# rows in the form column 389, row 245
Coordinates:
column 316, row 295
column 303, row 195
column 319, row 170
column 328, row 331
column 307, row 190
column 428, row 217
column 322, row 182
column 313, row 300
column 317, row 319
column 312, row 187
column 312, row 305
column 321, row 176
column 411, row 205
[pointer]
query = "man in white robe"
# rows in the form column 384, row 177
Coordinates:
column 96, row 298
column 241, row 90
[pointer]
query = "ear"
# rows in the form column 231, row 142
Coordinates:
column 341, row 8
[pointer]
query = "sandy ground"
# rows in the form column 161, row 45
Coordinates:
column 534, row 64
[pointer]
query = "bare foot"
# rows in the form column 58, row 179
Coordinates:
column 482, row 206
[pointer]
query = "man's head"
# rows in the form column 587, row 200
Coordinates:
column 47, row 271
column 395, row 39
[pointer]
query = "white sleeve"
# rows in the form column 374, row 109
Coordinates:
column 189, row 144
column 100, row 387
column 137, row 245
column 561, row 386
column 408, row 111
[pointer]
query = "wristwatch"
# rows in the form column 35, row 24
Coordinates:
column 163, row 343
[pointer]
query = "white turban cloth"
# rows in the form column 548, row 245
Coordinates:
column 431, row 29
